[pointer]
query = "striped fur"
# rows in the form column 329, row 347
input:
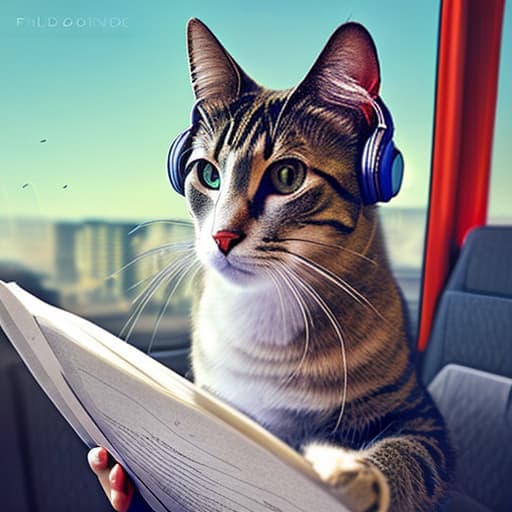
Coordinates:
column 301, row 326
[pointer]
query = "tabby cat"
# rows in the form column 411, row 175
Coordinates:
column 298, row 321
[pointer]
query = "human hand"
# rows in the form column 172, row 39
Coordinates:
column 115, row 482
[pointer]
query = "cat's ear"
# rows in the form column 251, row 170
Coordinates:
column 213, row 72
column 349, row 58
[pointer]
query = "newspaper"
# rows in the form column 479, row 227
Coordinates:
column 184, row 450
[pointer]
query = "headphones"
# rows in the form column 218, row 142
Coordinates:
column 382, row 164
column 176, row 159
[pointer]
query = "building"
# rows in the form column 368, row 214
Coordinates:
column 66, row 272
column 102, row 252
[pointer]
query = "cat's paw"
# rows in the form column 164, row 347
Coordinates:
column 350, row 475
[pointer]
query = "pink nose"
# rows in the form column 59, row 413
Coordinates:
column 226, row 240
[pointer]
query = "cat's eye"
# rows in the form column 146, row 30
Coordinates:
column 208, row 174
column 287, row 176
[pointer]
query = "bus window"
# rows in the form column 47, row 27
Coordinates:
column 94, row 102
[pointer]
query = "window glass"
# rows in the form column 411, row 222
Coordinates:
column 93, row 94
column 500, row 205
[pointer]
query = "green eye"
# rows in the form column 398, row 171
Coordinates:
column 208, row 174
column 287, row 176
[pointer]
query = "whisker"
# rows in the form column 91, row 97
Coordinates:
column 139, row 283
column 184, row 271
column 339, row 333
column 146, row 279
column 306, row 317
column 333, row 278
column 338, row 281
column 159, row 274
column 128, row 327
column 268, row 270
column 145, row 296
column 165, row 278
column 172, row 246
column 331, row 246
column 163, row 275
column 176, row 222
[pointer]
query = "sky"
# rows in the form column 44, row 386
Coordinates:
column 109, row 99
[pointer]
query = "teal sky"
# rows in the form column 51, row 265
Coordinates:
column 110, row 99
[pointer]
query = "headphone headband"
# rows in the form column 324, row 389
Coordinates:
column 380, row 173
column 377, row 105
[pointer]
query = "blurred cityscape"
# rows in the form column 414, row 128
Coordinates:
column 93, row 262
column 97, row 268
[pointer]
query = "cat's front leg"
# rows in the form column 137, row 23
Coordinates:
column 350, row 474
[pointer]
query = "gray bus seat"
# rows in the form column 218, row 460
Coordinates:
column 477, row 407
column 473, row 324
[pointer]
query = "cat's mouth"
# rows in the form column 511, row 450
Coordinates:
column 233, row 269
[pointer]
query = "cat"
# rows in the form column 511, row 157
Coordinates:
column 298, row 321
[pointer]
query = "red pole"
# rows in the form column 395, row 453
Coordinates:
column 467, row 71
column 480, row 83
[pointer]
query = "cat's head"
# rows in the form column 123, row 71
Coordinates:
column 272, row 176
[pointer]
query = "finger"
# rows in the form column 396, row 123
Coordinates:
column 98, row 459
column 121, row 489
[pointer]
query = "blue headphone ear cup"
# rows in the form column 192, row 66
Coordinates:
column 176, row 161
column 391, row 172
column 369, row 191
column 397, row 172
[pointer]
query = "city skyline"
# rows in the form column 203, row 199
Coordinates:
column 96, row 269
column 25, row 239
column 93, row 262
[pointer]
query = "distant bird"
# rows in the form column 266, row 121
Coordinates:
column 43, row 140
column 25, row 186
column 65, row 186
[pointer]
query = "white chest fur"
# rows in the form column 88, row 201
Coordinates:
column 232, row 322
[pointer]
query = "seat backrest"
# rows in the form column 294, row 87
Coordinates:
column 473, row 325
column 485, row 263
column 477, row 407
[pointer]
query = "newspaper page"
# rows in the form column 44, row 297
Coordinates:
column 167, row 434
